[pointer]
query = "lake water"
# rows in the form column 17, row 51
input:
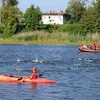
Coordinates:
column 77, row 74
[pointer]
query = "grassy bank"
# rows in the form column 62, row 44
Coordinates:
column 40, row 37
column 13, row 41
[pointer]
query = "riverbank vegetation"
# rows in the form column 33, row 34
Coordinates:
column 82, row 25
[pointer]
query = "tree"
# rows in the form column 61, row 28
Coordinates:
column 75, row 8
column 12, row 2
column 3, row 2
column 97, row 5
column 33, row 18
column 90, row 20
column 10, row 17
column 9, row 2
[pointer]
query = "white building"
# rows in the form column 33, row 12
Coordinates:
column 53, row 18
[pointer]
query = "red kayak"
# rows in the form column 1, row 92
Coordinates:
column 87, row 49
column 23, row 79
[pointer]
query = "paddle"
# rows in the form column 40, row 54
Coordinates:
column 40, row 75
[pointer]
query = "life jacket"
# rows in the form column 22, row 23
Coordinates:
column 93, row 46
column 96, row 45
column 33, row 76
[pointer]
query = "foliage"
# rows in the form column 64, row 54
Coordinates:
column 50, row 28
column 83, row 23
column 1, row 28
column 9, row 2
column 10, row 18
column 32, row 18
column 97, row 5
column 61, row 36
column 75, row 9
column 72, row 29
column 90, row 21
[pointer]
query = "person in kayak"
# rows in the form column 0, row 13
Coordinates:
column 93, row 46
column 34, row 74
column 96, row 45
column 84, row 46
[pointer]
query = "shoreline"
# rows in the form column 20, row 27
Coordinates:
column 11, row 41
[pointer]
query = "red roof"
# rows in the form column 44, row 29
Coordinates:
column 54, row 13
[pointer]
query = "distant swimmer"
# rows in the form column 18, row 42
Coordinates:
column 19, row 60
column 34, row 61
column 38, row 61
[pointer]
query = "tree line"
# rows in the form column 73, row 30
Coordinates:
column 83, row 19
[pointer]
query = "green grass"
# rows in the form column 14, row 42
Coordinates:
column 13, row 41
column 41, row 37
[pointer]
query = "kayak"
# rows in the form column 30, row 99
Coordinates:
column 23, row 79
column 82, row 49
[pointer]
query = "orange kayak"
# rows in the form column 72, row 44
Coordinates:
column 23, row 79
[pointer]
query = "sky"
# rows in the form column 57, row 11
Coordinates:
column 44, row 5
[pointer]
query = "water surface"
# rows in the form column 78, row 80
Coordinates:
column 77, row 74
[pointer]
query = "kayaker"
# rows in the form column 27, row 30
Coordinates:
column 93, row 46
column 84, row 46
column 97, row 45
column 34, row 74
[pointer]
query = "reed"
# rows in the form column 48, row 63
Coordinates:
column 59, row 36
column 50, row 38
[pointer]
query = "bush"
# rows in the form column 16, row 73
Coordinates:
column 1, row 28
column 72, row 29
